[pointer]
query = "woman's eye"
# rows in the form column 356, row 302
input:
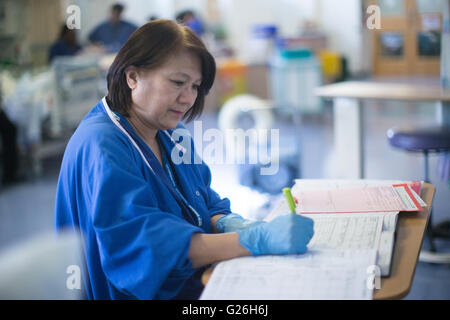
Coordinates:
column 196, row 87
column 178, row 83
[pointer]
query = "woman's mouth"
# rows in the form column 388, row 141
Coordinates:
column 177, row 112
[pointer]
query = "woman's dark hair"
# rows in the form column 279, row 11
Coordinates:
column 149, row 47
column 63, row 31
column 118, row 8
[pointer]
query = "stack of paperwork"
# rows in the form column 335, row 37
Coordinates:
column 354, row 235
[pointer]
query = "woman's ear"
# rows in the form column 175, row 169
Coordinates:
column 132, row 76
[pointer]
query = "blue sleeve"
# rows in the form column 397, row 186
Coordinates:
column 139, row 245
column 52, row 52
column 132, row 27
column 94, row 36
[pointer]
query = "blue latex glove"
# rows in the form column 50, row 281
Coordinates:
column 287, row 234
column 233, row 222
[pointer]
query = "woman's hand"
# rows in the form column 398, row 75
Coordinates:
column 233, row 222
column 287, row 234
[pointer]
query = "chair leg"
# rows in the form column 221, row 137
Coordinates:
column 431, row 256
column 426, row 177
column 442, row 229
column 429, row 229
column 429, row 233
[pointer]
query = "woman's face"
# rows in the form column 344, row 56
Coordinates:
column 162, row 96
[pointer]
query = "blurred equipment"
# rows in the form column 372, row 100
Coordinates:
column 332, row 68
column 232, row 79
column 262, row 43
column 27, row 104
column 77, row 85
column 45, row 267
column 47, row 105
column 255, row 143
column 294, row 74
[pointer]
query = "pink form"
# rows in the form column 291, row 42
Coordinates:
column 347, row 200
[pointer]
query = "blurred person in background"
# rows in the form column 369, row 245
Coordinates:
column 9, row 151
column 189, row 19
column 114, row 32
column 66, row 45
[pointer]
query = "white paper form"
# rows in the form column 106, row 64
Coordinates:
column 346, row 231
column 350, row 231
column 317, row 274
column 387, row 241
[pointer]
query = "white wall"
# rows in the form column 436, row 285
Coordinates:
column 341, row 20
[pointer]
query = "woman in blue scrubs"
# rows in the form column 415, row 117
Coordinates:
column 150, row 225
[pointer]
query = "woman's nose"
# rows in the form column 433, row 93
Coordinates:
column 187, row 96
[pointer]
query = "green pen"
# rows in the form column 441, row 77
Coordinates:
column 289, row 199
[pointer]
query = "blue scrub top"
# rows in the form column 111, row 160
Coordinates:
column 135, row 239
column 61, row 48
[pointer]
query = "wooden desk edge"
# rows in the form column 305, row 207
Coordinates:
column 401, row 290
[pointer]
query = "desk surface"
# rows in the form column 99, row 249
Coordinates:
column 409, row 237
column 383, row 90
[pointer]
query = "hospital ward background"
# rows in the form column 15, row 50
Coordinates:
column 319, row 89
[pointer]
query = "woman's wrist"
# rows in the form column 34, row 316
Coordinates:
column 206, row 248
column 214, row 220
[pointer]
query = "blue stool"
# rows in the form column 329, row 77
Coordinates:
column 425, row 140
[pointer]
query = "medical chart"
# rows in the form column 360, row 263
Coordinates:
column 347, row 232
column 317, row 274
column 350, row 231
column 318, row 184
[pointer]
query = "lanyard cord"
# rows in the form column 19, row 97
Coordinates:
column 170, row 172
column 155, row 167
